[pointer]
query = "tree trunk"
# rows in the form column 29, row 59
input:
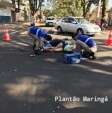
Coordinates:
column 13, row 15
column 84, row 7
column 103, row 9
column 18, row 3
column 13, row 12
column 103, row 13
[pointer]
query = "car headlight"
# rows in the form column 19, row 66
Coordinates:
column 97, row 28
column 89, row 29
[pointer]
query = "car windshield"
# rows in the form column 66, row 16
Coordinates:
column 50, row 18
column 82, row 20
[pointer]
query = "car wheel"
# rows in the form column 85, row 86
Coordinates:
column 59, row 29
column 80, row 31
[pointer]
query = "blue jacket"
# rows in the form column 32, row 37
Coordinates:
column 87, row 40
column 38, row 32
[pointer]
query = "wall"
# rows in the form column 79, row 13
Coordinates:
column 5, row 15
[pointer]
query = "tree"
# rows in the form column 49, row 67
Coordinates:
column 35, row 5
column 104, row 4
column 86, row 4
column 73, row 7
column 96, row 2
column 13, row 12
column 5, row 3
column 18, row 4
column 67, row 7
column 15, row 9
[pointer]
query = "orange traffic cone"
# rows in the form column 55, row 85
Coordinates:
column 6, row 37
column 108, row 42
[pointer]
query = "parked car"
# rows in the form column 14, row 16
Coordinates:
column 76, row 24
column 50, row 21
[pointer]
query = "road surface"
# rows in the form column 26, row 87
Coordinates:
column 31, row 84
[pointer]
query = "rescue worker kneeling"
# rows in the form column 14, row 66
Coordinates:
column 86, row 45
column 39, row 36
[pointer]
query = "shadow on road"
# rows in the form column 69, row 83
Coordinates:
column 30, row 84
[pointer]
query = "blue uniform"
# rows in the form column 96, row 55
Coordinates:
column 87, row 40
column 38, row 32
column 33, row 30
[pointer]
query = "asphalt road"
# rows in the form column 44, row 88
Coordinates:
column 30, row 84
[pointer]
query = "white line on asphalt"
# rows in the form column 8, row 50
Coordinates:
column 12, row 33
column 12, row 52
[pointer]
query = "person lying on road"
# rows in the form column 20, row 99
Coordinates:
column 53, row 44
column 65, row 45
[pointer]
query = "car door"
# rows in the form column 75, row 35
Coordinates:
column 72, row 25
column 64, row 24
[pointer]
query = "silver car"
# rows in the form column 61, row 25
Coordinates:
column 50, row 21
column 76, row 24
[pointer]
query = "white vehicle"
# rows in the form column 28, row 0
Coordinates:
column 50, row 21
column 76, row 24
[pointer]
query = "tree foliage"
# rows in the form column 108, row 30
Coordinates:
column 15, row 8
column 73, row 7
column 5, row 3
column 67, row 7
column 76, row 7
column 35, row 5
column 61, row 7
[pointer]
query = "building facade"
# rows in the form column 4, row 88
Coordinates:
column 5, row 11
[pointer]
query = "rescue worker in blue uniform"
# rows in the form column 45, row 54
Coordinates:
column 86, row 45
column 38, row 36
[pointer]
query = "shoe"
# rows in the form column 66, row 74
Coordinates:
column 32, row 55
column 37, row 52
column 92, row 57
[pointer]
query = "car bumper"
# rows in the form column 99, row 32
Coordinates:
column 50, row 24
column 92, row 32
